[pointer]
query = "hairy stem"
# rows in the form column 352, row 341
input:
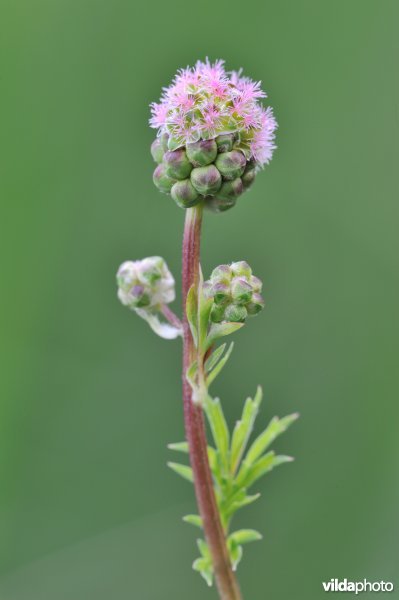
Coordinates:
column 195, row 427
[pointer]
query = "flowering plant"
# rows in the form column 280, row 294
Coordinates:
column 213, row 136
column 205, row 102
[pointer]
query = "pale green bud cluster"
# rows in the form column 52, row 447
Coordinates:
column 213, row 171
column 236, row 293
column 145, row 284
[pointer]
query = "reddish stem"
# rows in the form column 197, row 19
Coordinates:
column 171, row 317
column 195, row 427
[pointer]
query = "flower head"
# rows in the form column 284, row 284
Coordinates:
column 206, row 101
column 235, row 292
column 145, row 284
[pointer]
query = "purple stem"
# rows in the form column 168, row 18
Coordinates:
column 171, row 317
column 195, row 427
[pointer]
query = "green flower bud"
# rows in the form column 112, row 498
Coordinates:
column 206, row 180
column 220, row 292
column 177, row 164
column 231, row 164
column 225, row 142
column 221, row 273
column 217, row 313
column 248, row 177
column 256, row 305
column 230, row 190
column 241, row 269
column 255, row 283
column 163, row 182
column 157, row 151
column 146, row 286
column 235, row 292
column 218, row 205
column 235, row 313
column 184, row 194
column 202, row 153
column 145, row 283
column 241, row 291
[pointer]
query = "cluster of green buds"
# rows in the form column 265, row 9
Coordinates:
column 235, row 291
column 146, row 283
column 147, row 286
column 213, row 171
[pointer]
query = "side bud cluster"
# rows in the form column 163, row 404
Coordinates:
column 235, row 291
column 145, row 284
column 212, row 171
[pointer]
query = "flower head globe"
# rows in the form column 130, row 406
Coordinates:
column 145, row 284
column 214, row 134
column 235, row 291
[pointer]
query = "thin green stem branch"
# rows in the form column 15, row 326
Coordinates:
column 195, row 427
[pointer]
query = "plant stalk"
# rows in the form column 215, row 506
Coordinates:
column 226, row 581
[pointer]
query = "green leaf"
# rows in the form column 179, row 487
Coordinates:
column 244, row 536
column 216, row 370
column 265, row 464
column 199, row 563
column 179, row 447
column 204, row 567
column 204, row 310
column 235, row 552
column 191, row 375
column 193, row 520
column 243, row 430
column 182, row 470
column 233, row 494
column 237, row 504
column 203, row 548
column 183, row 447
column 275, row 428
column 219, row 330
column 240, row 480
column 213, row 460
column 214, row 357
column 191, row 311
column 220, row 431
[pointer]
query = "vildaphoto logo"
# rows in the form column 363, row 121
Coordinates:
column 335, row 585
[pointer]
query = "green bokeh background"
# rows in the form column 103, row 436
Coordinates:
column 90, row 397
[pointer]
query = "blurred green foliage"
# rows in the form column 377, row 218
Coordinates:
column 89, row 398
